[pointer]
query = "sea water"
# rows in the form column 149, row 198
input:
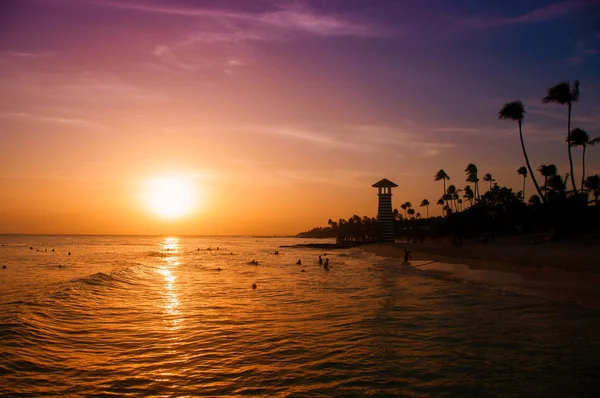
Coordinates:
column 175, row 316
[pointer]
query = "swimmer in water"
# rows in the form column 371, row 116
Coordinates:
column 299, row 262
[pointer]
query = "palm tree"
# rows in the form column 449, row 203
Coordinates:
column 469, row 194
column 522, row 171
column 451, row 192
column 580, row 137
column 592, row 183
column 404, row 207
column 471, row 171
column 418, row 215
column 408, row 206
column 564, row 93
column 488, row 177
column 516, row 111
column 442, row 175
column 425, row 202
column 411, row 212
column 557, row 185
column 547, row 171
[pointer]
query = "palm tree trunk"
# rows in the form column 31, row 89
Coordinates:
column 583, row 167
column 427, row 211
column 524, row 178
column 537, row 187
column 569, row 146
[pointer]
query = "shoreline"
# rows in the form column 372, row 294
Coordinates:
column 556, row 271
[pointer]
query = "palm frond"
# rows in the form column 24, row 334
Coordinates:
column 514, row 110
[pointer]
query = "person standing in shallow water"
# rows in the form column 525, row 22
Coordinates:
column 407, row 256
column 320, row 261
column 326, row 265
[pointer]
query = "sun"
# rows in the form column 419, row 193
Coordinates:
column 171, row 197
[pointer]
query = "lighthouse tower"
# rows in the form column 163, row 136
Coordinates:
column 385, row 215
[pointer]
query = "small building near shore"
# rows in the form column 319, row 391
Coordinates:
column 385, row 214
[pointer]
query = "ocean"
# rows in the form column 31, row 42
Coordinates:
column 178, row 316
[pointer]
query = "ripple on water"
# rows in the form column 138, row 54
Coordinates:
column 136, row 321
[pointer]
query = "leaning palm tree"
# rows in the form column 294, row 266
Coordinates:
column 488, row 177
column 522, row 171
column 516, row 111
column 580, row 137
column 442, row 175
column 471, row 171
column 425, row 203
column 592, row 183
column 547, row 171
column 565, row 94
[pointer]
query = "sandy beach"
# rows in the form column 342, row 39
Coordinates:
column 526, row 264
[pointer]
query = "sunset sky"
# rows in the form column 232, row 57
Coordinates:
column 281, row 114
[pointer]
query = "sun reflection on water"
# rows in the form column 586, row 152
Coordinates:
column 170, row 262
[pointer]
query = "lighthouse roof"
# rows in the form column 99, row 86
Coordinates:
column 384, row 183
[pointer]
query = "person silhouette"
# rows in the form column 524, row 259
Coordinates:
column 326, row 265
column 320, row 261
column 299, row 262
column 407, row 256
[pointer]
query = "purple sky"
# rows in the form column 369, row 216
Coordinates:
column 319, row 99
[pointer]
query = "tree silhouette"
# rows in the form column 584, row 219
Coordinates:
column 408, row 207
column 580, row 137
column 535, row 200
column 488, row 178
column 471, row 171
column 404, row 207
column 411, row 212
column 547, row 171
column 442, row 175
column 557, row 186
column 564, row 93
column 522, row 171
column 516, row 111
column 452, row 196
column 469, row 194
column 592, row 183
column 425, row 202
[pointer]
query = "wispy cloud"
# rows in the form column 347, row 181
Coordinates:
column 293, row 16
column 546, row 13
column 47, row 118
column 582, row 50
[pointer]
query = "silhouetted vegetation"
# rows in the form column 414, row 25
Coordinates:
column 499, row 211
column 354, row 229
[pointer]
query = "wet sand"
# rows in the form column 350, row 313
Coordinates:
column 568, row 271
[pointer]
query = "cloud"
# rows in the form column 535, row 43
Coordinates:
column 47, row 118
column 546, row 13
column 296, row 16
column 582, row 51
column 314, row 137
